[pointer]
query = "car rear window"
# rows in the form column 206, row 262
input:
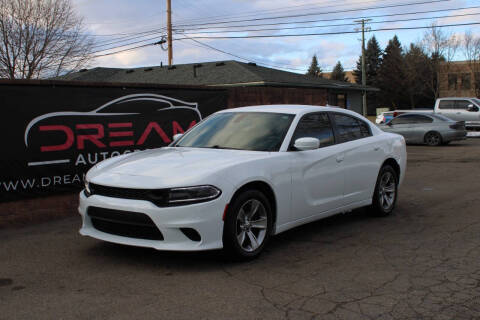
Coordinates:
column 350, row 128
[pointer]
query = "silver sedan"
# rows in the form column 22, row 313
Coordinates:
column 430, row 129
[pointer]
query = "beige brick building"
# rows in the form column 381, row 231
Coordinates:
column 459, row 79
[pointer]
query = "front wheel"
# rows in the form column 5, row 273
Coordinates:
column 247, row 225
column 386, row 189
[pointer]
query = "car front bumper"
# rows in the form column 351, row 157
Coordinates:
column 205, row 218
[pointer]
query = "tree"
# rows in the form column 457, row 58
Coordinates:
column 373, row 60
column 314, row 69
column 41, row 38
column 471, row 52
column 441, row 48
column 338, row 73
column 391, row 76
column 417, row 74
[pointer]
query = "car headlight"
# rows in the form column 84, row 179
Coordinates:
column 183, row 196
column 178, row 196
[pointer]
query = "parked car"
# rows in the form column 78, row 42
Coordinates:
column 384, row 117
column 431, row 129
column 460, row 109
column 241, row 176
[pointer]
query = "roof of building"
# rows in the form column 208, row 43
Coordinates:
column 220, row 73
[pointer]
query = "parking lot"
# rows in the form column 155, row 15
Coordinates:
column 423, row 262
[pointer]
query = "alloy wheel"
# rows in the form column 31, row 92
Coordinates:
column 251, row 225
column 433, row 139
column 387, row 190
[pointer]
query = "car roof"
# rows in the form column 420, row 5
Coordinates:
column 286, row 108
column 415, row 114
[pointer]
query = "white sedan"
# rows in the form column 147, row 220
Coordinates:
column 241, row 176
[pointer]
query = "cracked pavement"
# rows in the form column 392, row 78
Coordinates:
column 422, row 262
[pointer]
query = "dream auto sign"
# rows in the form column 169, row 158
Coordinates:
column 60, row 144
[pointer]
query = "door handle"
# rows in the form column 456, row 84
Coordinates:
column 376, row 148
column 340, row 158
column 459, row 113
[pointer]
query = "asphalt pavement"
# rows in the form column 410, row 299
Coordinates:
column 422, row 262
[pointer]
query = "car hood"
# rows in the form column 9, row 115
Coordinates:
column 169, row 167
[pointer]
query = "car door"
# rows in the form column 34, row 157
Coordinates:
column 465, row 114
column 362, row 155
column 317, row 175
column 401, row 125
column 447, row 108
column 419, row 125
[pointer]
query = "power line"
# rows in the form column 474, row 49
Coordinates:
column 335, row 19
column 240, row 57
column 328, row 33
column 288, row 9
column 323, row 13
column 338, row 25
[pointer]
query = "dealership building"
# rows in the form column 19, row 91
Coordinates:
column 247, row 83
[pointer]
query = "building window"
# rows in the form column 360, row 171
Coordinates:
column 466, row 81
column 452, row 81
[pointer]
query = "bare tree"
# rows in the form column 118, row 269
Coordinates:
column 441, row 48
column 471, row 52
column 41, row 38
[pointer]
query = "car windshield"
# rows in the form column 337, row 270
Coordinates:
column 477, row 101
column 256, row 131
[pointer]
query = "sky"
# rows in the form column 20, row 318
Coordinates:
column 113, row 23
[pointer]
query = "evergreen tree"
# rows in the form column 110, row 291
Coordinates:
column 417, row 76
column 314, row 69
column 391, row 76
column 373, row 60
column 338, row 73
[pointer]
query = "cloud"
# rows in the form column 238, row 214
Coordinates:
column 124, row 16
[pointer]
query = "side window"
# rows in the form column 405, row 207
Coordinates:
column 462, row 104
column 447, row 104
column 349, row 128
column 421, row 119
column 315, row 125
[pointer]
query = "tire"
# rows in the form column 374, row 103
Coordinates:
column 383, row 201
column 433, row 138
column 242, row 239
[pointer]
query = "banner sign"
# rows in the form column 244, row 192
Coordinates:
column 52, row 135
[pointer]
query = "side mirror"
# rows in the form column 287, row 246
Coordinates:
column 304, row 144
column 472, row 108
column 177, row 136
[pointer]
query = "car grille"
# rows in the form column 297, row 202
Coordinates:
column 158, row 196
column 124, row 223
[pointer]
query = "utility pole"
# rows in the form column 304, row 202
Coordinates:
column 364, row 67
column 169, row 32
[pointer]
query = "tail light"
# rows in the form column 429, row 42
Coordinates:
column 460, row 125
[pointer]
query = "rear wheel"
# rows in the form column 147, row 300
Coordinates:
column 247, row 225
column 433, row 138
column 386, row 189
